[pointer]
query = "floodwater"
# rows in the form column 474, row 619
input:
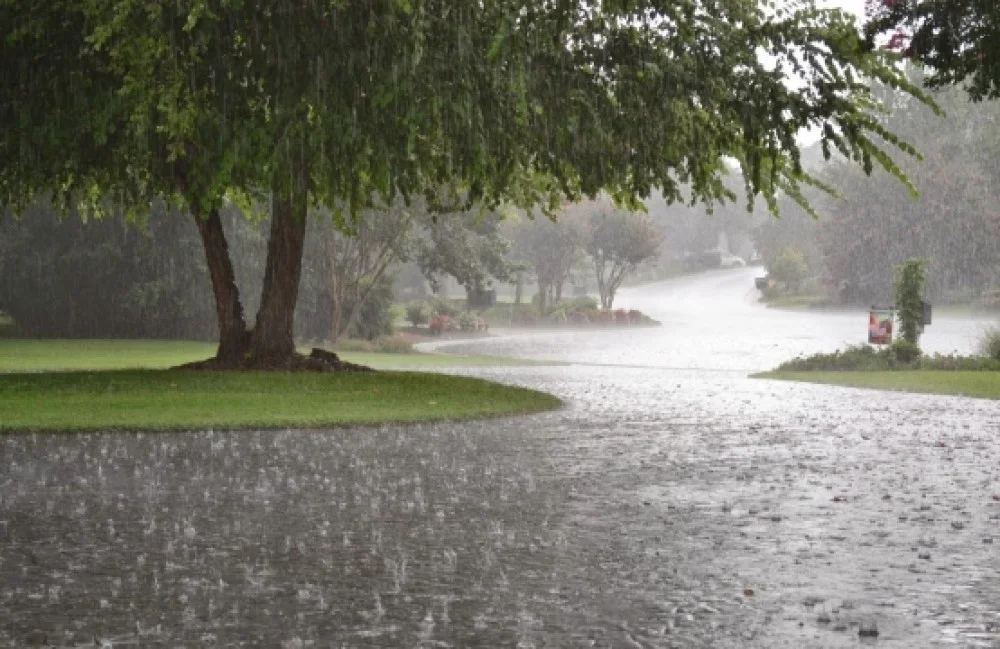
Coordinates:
column 673, row 503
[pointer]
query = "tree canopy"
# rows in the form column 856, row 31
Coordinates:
column 346, row 102
column 959, row 40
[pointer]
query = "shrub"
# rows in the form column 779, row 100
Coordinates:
column 866, row 358
column 789, row 268
column 416, row 314
column 558, row 315
column 441, row 306
column 7, row 328
column 989, row 346
column 855, row 357
column 528, row 317
column 393, row 345
column 905, row 351
column 575, row 304
column 467, row 322
column 384, row 345
column 359, row 345
column 442, row 324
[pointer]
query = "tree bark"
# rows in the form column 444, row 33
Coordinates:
column 233, row 337
column 272, row 338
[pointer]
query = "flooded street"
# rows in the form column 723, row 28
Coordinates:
column 674, row 502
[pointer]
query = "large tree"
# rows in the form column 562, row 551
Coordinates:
column 334, row 101
column 959, row 40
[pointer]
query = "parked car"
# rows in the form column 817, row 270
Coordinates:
column 731, row 261
column 707, row 260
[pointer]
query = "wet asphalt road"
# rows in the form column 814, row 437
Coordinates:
column 673, row 503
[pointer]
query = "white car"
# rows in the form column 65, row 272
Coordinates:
column 731, row 261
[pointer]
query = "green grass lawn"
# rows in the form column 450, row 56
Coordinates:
column 981, row 384
column 114, row 385
column 178, row 400
column 22, row 355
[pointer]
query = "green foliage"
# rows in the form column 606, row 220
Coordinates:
column 617, row 242
column 105, row 278
column 905, row 351
column 417, row 315
column 373, row 317
column 7, row 326
column 910, row 282
column 876, row 225
column 789, row 268
column 901, row 355
column 380, row 345
column 956, row 40
column 467, row 322
column 186, row 400
column 468, row 246
column 989, row 345
column 543, row 100
column 441, row 306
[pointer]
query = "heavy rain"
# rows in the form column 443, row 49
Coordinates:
column 605, row 325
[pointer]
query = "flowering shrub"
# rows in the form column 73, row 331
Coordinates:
column 442, row 324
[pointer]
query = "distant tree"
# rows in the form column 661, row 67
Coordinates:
column 550, row 248
column 358, row 261
column 617, row 242
column 468, row 246
column 104, row 278
column 876, row 224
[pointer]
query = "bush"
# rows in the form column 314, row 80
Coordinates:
column 789, row 268
column 905, row 351
column 866, row 358
column 989, row 346
column 417, row 314
column 441, row 306
column 855, row 357
column 467, row 322
column 442, row 324
column 7, row 328
column 383, row 345
column 393, row 345
column 578, row 304
column 359, row 345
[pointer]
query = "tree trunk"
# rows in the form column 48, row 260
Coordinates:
column 233, row 337
column 337, row 303
column 272, row 338
column 518, row 289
